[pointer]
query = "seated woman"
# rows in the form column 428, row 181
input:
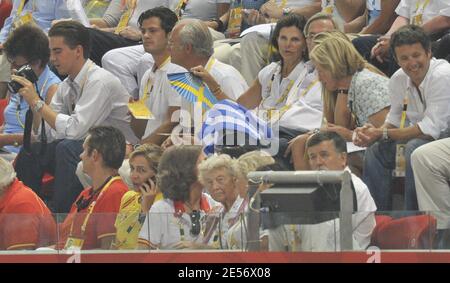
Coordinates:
column 219, row 174
column 286, row 93
column 27, row 45
column 176, row 222
column 136, row 203
column 355, row 92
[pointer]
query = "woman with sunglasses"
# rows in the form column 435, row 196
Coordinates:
column 177, row 221
column 27, row 45
column 136, row 203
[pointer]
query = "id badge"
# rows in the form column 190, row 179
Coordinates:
column 234, row 23
column 25, row 19
column 417, row 20
column 328, row 9
column 400, row 163
column 74, row 243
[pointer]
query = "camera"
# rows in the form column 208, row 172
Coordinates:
column 26, row 72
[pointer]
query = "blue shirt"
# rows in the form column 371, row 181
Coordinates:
column 43, row 11
column 15, row 114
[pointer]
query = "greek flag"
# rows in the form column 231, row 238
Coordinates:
column 229, row 116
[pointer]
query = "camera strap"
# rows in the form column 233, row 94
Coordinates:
column 28, row 128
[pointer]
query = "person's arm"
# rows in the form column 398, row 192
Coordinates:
column 222, row 9
column 7, row 24
column 357, row 24
column 381, row 49
column 309, row 10
column 11, row 139
column 167, row 126
column 378, row 119
column 437, row 24
column 350, row 9
column 111, row 16
column 386, row 18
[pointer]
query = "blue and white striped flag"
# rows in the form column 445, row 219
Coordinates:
column 229, row 116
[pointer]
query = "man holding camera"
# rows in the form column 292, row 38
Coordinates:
column 89, row 96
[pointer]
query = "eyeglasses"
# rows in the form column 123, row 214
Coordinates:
column 195, row 222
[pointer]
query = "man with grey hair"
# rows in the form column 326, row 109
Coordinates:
column 25, row 220
column 191, row 47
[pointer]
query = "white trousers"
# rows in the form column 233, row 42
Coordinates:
column 431, row 166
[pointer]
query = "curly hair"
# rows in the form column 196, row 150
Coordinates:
column 177, row 171
column 29, row 42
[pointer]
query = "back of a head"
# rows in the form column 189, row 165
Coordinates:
column 177, row 171
column 109, row 142
column 74, row 34
column 7, row 174
column 167, row 17
column 336, row 53
column 30, row 42
column 409, row 35
column 252, row 160
column 339, row 143
column 196, row 33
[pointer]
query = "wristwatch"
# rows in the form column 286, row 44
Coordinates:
column 287, row 11
column 38, row 106
column 385, row 136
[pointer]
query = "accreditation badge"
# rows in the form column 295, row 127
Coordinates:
column 400, row 163
column 27, row 18
column 234, row 22
column 73, row 243
column 328, row 9
column 417, row 20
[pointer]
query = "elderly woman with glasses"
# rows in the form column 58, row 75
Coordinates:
column 27, row 45
column 136, row 203
column 177, row 221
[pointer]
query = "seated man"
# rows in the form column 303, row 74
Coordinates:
column 431, row 166
column 419, row 113
column 90, row 223
column 432, row 16
column 25, row 220
column 328, row 151
column 89, row 96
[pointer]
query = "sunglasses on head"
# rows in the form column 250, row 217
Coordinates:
column 195, row 222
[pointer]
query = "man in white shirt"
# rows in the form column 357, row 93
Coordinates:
column 90, row 96
column 191, row 47
column 432, row 16
column 419, row 113
column 328, row 151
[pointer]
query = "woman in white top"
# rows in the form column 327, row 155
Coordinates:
column 178, row 221
column 286, row 93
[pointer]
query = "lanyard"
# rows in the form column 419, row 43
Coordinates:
column 284, row 96
column 149, row 85
column 20, row 9
column 179, row 10
column 405, row 107
column 92, row 205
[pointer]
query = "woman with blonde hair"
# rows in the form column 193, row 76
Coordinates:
column 354, row 92
column 137, row 202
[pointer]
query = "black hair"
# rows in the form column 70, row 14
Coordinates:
column 74, row 34
column 339, row 143
column 408, row 35
column 109, row 142
column 167, row 17
column 290, row 20
column 30, row 42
